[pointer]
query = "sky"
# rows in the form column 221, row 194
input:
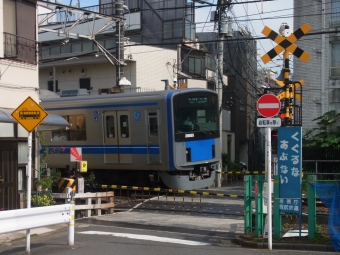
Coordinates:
column 271, row 14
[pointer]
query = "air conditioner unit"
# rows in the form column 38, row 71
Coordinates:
column 82, row 71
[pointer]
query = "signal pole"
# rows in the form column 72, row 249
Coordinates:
column 119, row 8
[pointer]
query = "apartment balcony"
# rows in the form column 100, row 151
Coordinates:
column 21, row 49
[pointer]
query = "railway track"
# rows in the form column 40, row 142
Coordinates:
column 184, row 203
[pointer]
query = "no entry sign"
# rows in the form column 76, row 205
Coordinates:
column 268, row 105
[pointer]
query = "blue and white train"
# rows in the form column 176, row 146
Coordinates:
column 136, row 138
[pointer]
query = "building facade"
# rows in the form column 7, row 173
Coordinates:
column 321, row 74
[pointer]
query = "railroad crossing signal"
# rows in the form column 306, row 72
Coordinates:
column 296, row 95
column 29, row 114
column 286, row 43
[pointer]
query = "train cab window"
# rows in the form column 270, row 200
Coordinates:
column 77, row 131
column 124, row 126
column 153, row 124
column 110, row 127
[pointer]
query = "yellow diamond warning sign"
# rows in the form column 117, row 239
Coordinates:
column 29, row 114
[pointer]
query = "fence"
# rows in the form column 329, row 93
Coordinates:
column 254, row 222
column 84, row 201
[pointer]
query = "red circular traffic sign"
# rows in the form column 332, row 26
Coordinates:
column 268, row 105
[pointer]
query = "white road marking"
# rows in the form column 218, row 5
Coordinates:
column 144, row 237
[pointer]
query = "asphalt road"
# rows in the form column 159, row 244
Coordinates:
column 147, row 230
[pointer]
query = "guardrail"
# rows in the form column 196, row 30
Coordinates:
column 26, row 219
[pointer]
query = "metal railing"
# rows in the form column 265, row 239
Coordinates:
column 20, row 48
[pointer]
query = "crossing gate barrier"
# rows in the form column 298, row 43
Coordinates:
column 65, row 183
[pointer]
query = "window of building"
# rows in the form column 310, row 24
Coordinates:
column 76, row 47
column 77, row 131
column 87, row 46
column 45, row 51
column 22, row 152
column 133, row 4
column 124, row 126
column 55, row 50
column 85, row 83
column 335, row 59
column 190, row 30
column 153, row 124
column 173, row 29
column 335, row 14
column 110, row 43
column 6, row 130
column 50, row 86
column 66, row 49
column 195, row 65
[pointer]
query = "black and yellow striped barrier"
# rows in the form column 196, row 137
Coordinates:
column 174, row 191
column 66, row 182
column 244, row 173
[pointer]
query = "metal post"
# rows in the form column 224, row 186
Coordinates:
column 277, row 215
column 269, row 183
column 28, row 174
column 247, row 204
column 71, row 225
column 311, row 207
column 259, row 207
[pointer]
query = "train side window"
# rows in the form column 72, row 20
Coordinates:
column 153, row 124
column 77, row 131
column 124, row 126
column 110, row 127
column 78, row 128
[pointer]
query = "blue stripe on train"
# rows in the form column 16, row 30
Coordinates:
column 104, row 149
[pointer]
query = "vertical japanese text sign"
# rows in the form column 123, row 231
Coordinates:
column 290, row 168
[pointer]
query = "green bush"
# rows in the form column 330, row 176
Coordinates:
column 42, row 200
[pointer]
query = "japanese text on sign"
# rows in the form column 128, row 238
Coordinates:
column 290, row 165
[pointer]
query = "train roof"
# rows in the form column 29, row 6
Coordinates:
column 120, row 95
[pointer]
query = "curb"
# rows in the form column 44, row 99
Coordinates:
column 284, row 246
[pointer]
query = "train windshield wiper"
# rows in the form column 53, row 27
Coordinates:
column 203, row 132
column 214, row 131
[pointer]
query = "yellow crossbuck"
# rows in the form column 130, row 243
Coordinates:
column 286, row 43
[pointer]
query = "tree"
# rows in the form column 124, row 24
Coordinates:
column 327, row 134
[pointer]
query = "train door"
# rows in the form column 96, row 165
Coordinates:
column 8, row 176
column 153, row 139
column 117, row 137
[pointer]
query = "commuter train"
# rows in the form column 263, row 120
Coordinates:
column 140, row 138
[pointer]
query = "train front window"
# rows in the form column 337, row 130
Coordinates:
column 196, row 113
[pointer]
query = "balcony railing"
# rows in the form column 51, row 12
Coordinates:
column 21, row 49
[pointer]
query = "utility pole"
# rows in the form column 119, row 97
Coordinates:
column 224, row 29
column 119, row 10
